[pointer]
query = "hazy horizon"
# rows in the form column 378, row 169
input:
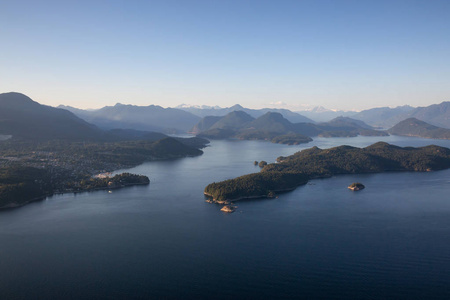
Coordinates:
column 342, row 55
column 304, row 108
column 204, row 106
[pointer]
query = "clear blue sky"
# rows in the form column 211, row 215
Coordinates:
column 339, row 54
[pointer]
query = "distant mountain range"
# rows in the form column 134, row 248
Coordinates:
column 18, row 111
column 380, row 117
column 23, row 118
column 184, row 117
column 273, row 126
column 436, row 114
column 255, row 113
column 385, row 117
column 148, row 118
column 322, row 114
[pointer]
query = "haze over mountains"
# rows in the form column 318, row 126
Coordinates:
column 255, row 113
column 322, row 114
column 184, row 118
column 22, row 118
column 273, row 126
column 385, row 117
column 148, row 118
column 18, row 111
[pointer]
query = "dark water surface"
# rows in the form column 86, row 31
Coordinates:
column 389, row 241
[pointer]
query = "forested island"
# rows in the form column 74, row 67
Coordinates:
column 297, row 169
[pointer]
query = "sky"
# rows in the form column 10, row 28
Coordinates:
column 348, row 55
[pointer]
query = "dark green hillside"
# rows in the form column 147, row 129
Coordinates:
column 270, row 122
column 316, row 163
column 273, row 125
column 414, row 127
column 436, row 114
column 348, row 122
column 21, row 117
column 234, row 121
column 254, row 134
column 131, row 134
column 205, row 124
column 378, row 157
column 170, row 146
column 19, row 185
column 217, row 134
column 270, row 126
column 193, row 142
column 307, row 129
column 347, row 127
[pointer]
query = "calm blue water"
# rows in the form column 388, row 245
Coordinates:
column 389, row 241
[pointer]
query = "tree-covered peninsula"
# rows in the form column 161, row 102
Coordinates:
column 302, row 166
column 31, row 170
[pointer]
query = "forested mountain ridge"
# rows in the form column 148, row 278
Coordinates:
column 384, row 117
column 273, row 125
column 240, row 125
column 293, row 117
column 417, row 128
column 22, row 117
column 435, row 114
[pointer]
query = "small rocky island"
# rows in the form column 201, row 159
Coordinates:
column 356, row 186
column 297, row 169
column 229, row 208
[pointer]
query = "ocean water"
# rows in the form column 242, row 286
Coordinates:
column 163, row 241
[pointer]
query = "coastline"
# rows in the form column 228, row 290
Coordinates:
column 13, row 205
column 252, row 197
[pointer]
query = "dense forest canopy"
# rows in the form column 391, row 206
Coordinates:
column 298, row 168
